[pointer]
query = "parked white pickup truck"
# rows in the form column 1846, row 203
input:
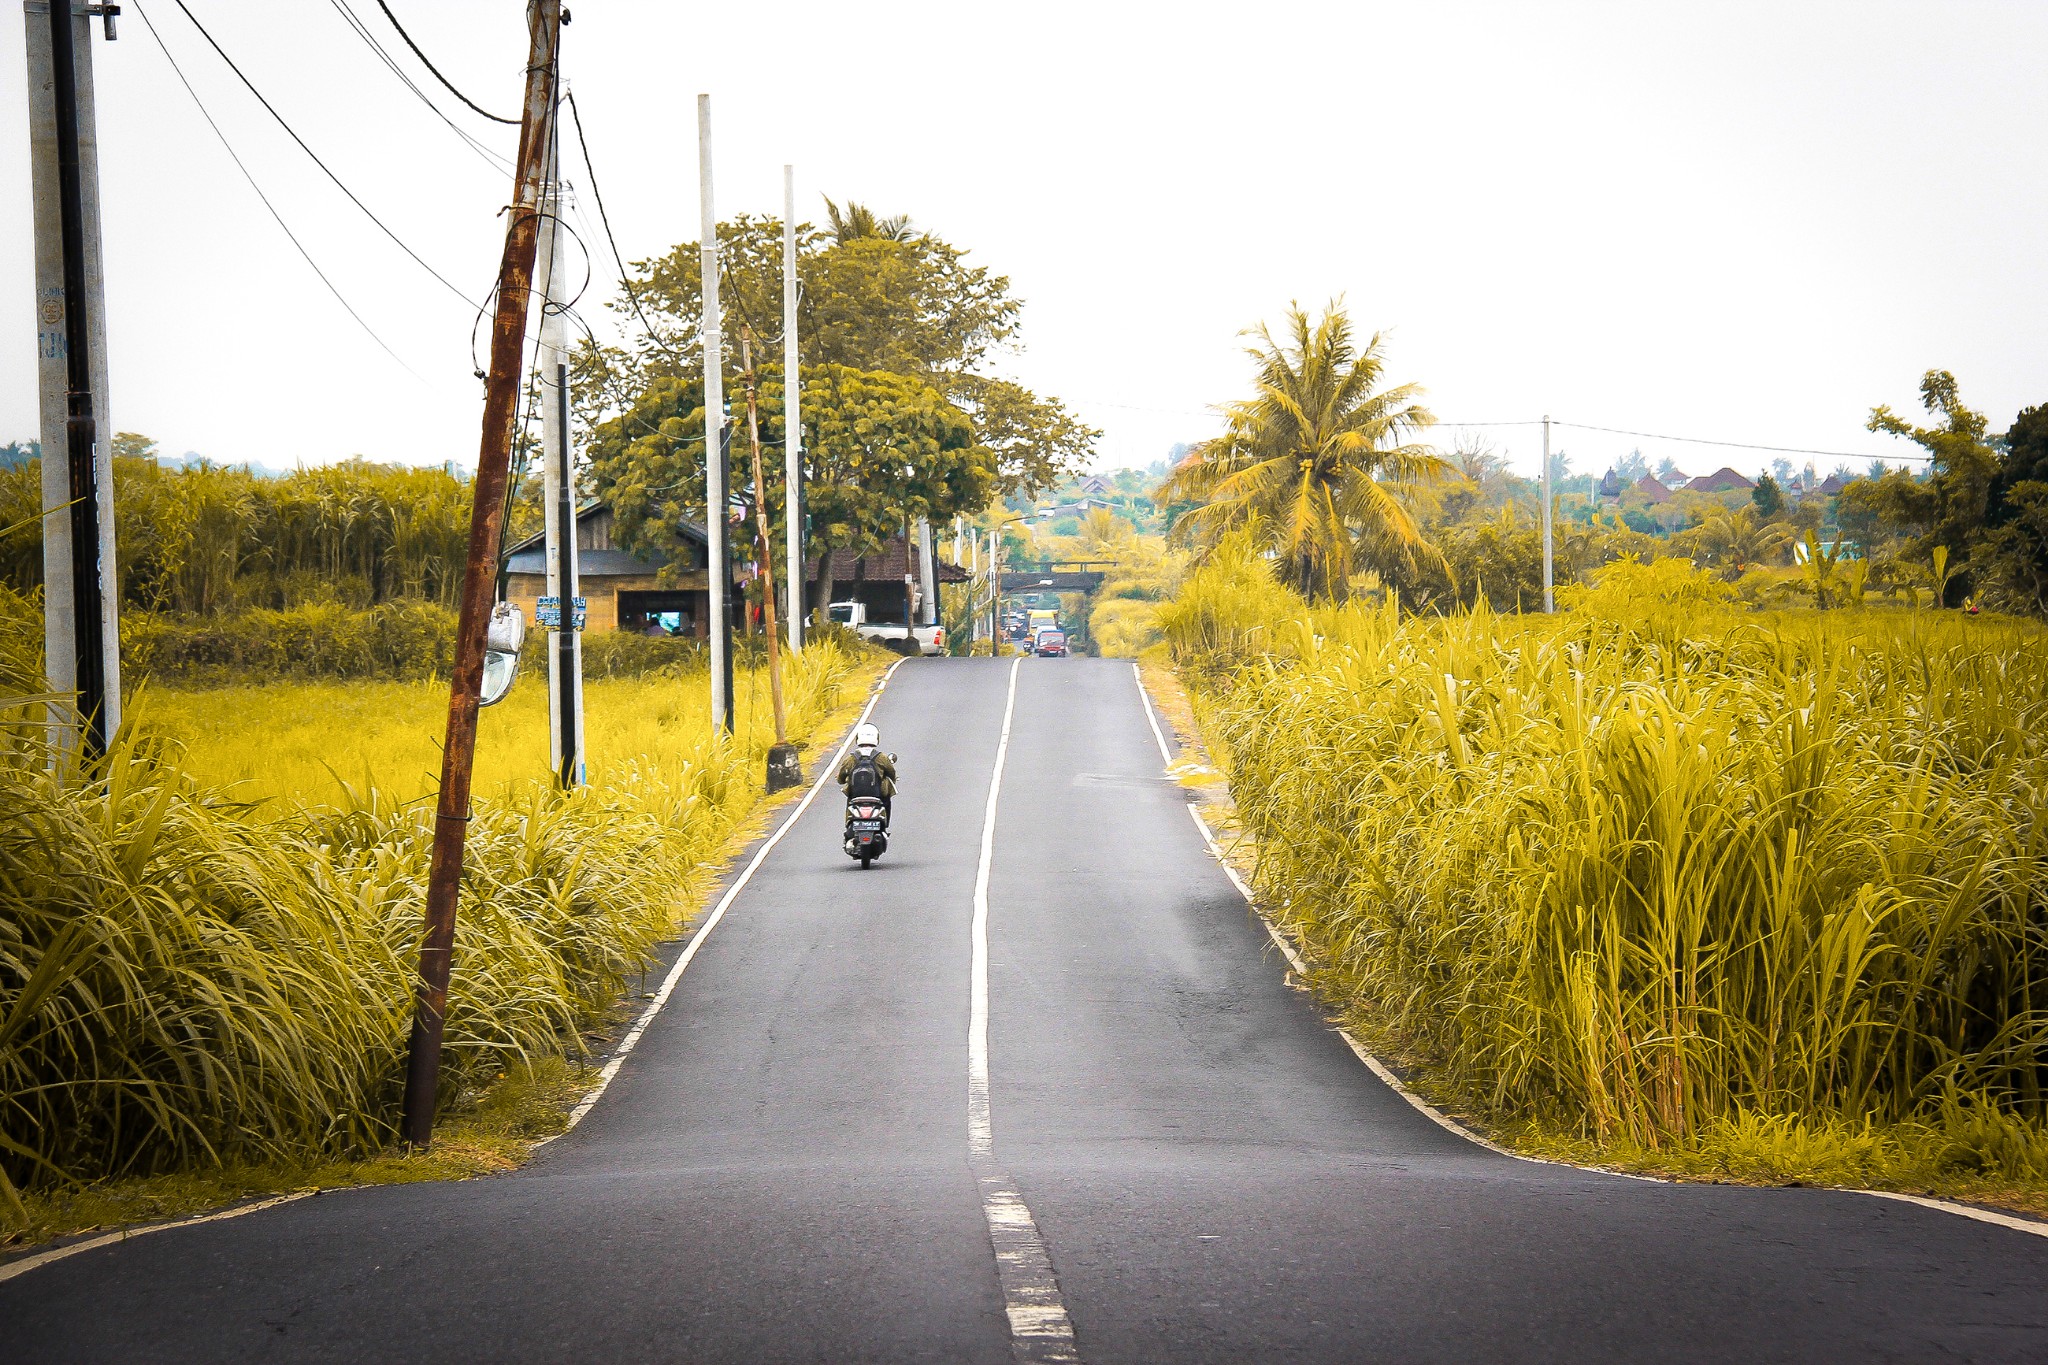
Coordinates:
column 904, row 639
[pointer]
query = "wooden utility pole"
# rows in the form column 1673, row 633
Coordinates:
column 479, row 580
column 783, row 768
column 792, row 420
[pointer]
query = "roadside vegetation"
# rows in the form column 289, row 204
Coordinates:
column 1731, row 869
column 214, row 935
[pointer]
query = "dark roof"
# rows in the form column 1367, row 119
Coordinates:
column 1652, row 487
column 1722, row 480
column 1610, row 485
column 888, row 565
column 530, row 554
column 1834, row 483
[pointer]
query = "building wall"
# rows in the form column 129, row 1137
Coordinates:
column 601, row 595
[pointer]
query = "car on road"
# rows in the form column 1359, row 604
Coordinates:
column 1050, row 644
column 911, row 640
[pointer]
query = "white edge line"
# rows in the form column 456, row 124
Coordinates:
column 43, row 1258
column 675, row 973
column 1165, row 754
column 2004, row 1220
column 611, row 1069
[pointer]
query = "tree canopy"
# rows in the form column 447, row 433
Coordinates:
column 883, row 448
column 876, row 296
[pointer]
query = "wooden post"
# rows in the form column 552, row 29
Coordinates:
column 479, row 581
column 783, row 768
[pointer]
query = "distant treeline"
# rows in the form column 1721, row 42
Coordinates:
column 207, row 540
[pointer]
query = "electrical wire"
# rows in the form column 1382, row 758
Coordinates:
column 1741, row 445
column 362, row 30
column 625, row 281
column 474, row 106
column 1690, row 440
column 240, row 166
column 316, row 159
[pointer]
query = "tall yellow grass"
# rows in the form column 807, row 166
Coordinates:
column 207, row 954
column 1640, row 872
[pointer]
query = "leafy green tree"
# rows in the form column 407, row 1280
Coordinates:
column 1768, row 496
column 876, row 295
column 1319, row 467
column 881, row 448
column 1961, row 467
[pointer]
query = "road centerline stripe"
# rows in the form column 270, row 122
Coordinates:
column 1040, row 1330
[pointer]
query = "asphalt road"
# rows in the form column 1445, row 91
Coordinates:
column 781, row 1171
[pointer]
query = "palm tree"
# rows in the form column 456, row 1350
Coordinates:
column 1320, row 466
column 858, row 220
column 1737, row 541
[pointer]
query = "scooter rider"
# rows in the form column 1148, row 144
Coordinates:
column 867, row 771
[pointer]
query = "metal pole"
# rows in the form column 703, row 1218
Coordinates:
column 718, row 569
column 81, row 426
column 1549, row 597
column 558, row 493
column 792, row 419
column 480, row 571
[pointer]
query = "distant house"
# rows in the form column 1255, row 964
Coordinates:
column 1095, row 486
column 1610, row 486
column 1722, row 480
column 1652, row 489
column 622, row 589
column 1069, row 509
column 879, row 580
column 1834, row 483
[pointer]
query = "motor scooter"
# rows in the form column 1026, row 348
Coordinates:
column 867, row 828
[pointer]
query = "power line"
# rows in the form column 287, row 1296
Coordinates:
column 437, row 70
column 362, row 30
column 179, row 72
column 625, row 282
column 1690, row 440
column 316, row 159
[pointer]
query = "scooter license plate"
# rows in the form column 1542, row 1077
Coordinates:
column 867, row 827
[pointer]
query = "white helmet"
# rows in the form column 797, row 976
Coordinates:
column 866, row 737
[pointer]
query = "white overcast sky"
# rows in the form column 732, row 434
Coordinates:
column 1743, row 221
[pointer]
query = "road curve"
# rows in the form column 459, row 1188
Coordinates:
column 782, row 1170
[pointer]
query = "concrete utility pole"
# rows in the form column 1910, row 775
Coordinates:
column 81, row 625
column 792, row 422
column 558, row 479
column 480, row 570
column 1549, row 598
column 927, row 572
column 718, row 571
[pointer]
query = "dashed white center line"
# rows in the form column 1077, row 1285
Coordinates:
column 1040, row 1330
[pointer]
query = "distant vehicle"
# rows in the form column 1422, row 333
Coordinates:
column 1042, row 619
column 904, row 639
column 1051, row 644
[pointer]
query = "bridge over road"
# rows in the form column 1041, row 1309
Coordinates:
column 1069, row 575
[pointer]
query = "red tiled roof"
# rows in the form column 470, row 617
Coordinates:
column 1722, row 480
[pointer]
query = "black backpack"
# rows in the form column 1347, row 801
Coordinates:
column 865, row 779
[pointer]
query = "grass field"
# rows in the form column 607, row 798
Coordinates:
column 1704, row 890
column 209, row 951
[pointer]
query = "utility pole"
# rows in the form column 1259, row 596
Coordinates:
column 480, row 571
column 558, row 463
column 718, row 571
column 1549, row 597
column 792, row 422
column 784, row 769
column 927, row 572
column 81, row 632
